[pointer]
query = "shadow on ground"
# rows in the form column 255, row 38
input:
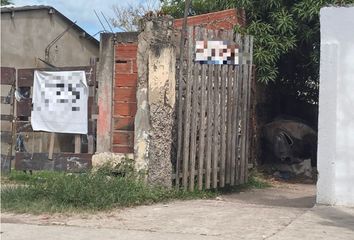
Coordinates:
column 286, row 195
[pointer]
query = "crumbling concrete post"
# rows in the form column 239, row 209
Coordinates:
column 156, row 62
column 105, row 83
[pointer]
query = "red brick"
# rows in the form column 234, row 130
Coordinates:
column 124, row 109
column 126, row 80
column 125, row 138
column 226, row 19
column 124, row 66
column 125, row 94
column 124, row 123
column 122, row 149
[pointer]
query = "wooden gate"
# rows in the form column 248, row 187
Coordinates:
column 213, row 115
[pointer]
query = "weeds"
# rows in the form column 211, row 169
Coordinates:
column 63, row 192
column 58, row 192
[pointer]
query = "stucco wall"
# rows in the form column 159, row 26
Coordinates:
column 25, row 36
column 336, row 114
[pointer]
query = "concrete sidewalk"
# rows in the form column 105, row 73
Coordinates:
column 283, row 212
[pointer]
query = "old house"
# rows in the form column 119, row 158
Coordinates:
column 31, row 34
column 37, row 37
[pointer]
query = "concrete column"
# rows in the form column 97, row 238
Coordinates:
column 156, row 100
column 336, row 114
column 105, row 85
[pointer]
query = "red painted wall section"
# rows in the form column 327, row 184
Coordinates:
column 226, row 19
column 124, row 97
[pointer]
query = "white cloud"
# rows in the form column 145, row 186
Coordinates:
column 82, row 11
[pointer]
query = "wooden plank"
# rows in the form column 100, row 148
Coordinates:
column 229, row 167
column 202, row 134
column 210, row 115
column 6, row 117
column 249, row 49
column 23, row 126
column 51, row 146
column 6, row 126
column 223, row 124
column 216, row 142
column 194, row 129
column 77, row 143
column 25, row 77
column 229, row 35
column 235, row 125
column 6, row 137
column 239, row 112
column 61, row 161
column 90, row 144
column 6, row 100
column 244, row 160
column 179, row 121
column 5, row 161
column 7, row 76
column 187, row 117
column 24, row 108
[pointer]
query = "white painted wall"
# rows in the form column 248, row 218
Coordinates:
column 336, row 107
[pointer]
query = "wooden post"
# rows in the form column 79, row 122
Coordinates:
column 51, row 146
column 90, row 144
column 77, row 143
column 202, row 128
column 187, row 116
column 193, row 149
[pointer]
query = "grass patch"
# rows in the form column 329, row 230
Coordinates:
column 60, row 192
column 89, row 192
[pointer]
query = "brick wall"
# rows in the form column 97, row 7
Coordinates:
column 124, row 97
column 125, row 76
column 226, row 19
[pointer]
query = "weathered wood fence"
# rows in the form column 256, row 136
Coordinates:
column 7, row 82
column 213, row 115
column 39, row 155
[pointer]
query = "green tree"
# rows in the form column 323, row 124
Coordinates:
column 5, row 2
column 287, row 38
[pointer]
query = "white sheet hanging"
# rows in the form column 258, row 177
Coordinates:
column 60, row 102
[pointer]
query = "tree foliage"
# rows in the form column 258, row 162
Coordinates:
column 127, row 17
column 287, row 38
column 5, row 2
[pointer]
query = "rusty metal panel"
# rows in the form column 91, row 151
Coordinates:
column 7, row 76
column 24, row 108
column 71, row 162
column 25, row 77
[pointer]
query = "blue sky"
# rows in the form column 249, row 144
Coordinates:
column 82, row 10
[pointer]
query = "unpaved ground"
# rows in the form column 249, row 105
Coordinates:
column 282, row 212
